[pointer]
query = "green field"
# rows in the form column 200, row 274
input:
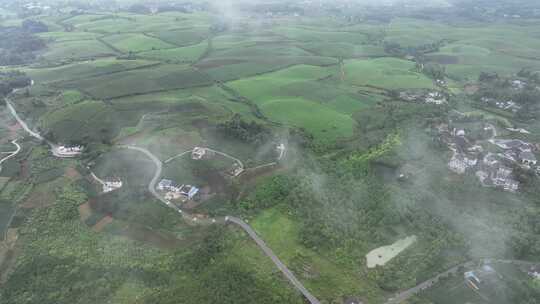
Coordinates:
column 77, row 50
column 386, row 73
column 68, row 36
column 322, row 121
column 183, row 54
column 161, row 78
column 331, row 281
column 136, row 43
column 183, row 37
column 86, row 69
column 298, row 97
column 309, row 35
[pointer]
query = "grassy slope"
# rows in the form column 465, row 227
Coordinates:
column 387, row 73
column 333, row 281
column 188, row 53
column 161, row 78
column 83, row 70
column 136, row 43
column 271, row 92
column 77, row 50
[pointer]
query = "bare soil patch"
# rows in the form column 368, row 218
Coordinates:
column 471, row 89
column 99, row 226
column 39, row 199
column 8, row 254
column 85, row 211
column 72, row 174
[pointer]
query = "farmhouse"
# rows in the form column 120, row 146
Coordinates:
column 112, row 184
column 198, row 153
column 535, row 272
column 69, row 151
column 188, row 191
column 175, row 191
column 236, row 170
column 167, row 184
column 435, row 98
column 470, row 275
column 519, row 84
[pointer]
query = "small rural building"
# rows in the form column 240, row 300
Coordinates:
column 188, row 191
column 112, row 184
column 165, row 184
column 535, row 272
column 69, row 151
column 198, row 153
column 236, row 170
column 472, row 280
column 175, row 191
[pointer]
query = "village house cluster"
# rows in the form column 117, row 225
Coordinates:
column 493, row 169
column 508, row 105
column 427, row 97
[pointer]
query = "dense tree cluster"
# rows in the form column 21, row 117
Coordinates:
column 34, row 26
column 250, row 132
column 526, row 95
column 12, row 80
column 18, row 46
column 398, row 50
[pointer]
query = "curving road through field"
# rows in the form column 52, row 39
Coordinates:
column 228, row 219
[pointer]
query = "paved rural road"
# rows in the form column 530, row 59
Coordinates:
column 240, row 223
column 20, row 121
column 177, row 156
column 404, row 295
column 211, row 150
column 11, row 154
column 24, row 125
